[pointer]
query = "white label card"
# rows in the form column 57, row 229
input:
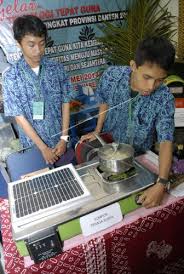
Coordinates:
column 101, row 219
column 38, row 110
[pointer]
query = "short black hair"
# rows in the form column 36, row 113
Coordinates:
column 155, row 50
column 28, row 24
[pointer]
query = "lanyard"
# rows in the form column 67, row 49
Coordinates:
column 130, row 129
column 36, row 84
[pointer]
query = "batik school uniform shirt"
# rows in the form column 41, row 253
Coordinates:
column 150, row 115
column 22, row 87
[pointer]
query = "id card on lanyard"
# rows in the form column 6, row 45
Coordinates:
column 38, row 110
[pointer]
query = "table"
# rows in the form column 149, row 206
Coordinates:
column 145, row 241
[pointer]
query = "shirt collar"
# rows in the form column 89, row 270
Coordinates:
column 25, row 65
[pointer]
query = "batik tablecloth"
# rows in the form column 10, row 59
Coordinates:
column 145, row 242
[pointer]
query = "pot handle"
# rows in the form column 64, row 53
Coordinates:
column 99, row 139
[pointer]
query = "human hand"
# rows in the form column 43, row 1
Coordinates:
column 60, row 148
column 49, row 155
column 88, row 137
column 152, row 196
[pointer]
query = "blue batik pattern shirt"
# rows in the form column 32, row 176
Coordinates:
column 19, row 91
column 152, row 115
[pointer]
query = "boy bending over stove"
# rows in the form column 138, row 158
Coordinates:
column 135, row 104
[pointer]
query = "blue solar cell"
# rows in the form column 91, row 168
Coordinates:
column 45, row 191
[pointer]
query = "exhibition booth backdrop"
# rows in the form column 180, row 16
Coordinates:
column 73, row 28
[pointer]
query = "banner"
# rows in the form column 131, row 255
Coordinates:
column 73, row 31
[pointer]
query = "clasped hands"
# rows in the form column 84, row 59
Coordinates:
column 51, row 155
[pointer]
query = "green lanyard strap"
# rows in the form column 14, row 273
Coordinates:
column 130, row 129
column 36, row 85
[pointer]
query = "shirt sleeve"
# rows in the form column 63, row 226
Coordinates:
column 165, row 122
column 104, row 87
column 66, row 86
column 11, row 96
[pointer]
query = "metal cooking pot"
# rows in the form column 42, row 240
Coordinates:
column 115, row 157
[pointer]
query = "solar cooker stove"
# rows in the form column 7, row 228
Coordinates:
column 42, row 237
column 123, row 184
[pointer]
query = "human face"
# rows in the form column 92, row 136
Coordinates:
column 146, row 78
column 33, row 48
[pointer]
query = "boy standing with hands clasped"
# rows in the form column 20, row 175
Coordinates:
column 37, row 92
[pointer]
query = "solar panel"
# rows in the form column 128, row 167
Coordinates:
column 46, row 191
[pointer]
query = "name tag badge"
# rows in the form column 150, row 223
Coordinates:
column 38, row 110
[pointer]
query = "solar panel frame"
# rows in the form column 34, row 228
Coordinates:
column 45, row 192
